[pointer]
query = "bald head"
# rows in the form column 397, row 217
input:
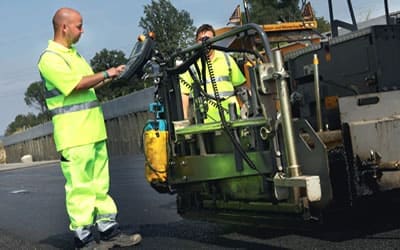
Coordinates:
column 68, row 26
column 63, row 16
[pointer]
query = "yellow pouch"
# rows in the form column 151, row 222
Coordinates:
column 156, row 153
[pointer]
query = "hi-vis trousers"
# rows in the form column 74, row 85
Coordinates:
column 85, row 169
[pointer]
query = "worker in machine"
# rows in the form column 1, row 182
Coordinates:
column 228, row 77
column 80, row 135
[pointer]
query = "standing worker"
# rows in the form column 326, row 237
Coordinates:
column 228, row 77
column 80, row 135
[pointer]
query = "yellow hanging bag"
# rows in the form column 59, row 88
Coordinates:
column 155, row 145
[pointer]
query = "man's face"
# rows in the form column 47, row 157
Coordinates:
column 74, row 28
column 204, row 34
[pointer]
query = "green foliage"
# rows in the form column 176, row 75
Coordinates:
column 323, row 25
column 23, row 122
column 272, row 11
column 174, row 29
column 106, row 59
column 34, row 96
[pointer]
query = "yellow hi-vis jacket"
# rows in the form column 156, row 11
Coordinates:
column 227, row 76
column 77, row 116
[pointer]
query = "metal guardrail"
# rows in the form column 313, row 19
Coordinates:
column 29, row 134
column 134, row 102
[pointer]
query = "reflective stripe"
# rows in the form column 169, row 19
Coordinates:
column 105, row 221
column 224, row 94
column 227, row 78
column 52, row 93
column 228, row 62
column 55, row 53
column 74, row 107
column 106, row 217
column 82, row 232
column 103, row 226
column 220, row 79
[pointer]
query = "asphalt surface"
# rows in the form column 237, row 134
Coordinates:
column 33, row 216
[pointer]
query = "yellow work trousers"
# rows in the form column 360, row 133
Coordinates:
column 85, row 169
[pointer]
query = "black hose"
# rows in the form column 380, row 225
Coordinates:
column 225, row 125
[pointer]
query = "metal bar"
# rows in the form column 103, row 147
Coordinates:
column 387, row 15
column 286, row 113
column 246, row 11
column 234, row 32
column 317, row 93
column 333, row 27
column 353, row 19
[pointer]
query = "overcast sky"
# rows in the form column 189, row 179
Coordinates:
column 26, row 28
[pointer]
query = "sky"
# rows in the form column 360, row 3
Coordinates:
column 26, row 29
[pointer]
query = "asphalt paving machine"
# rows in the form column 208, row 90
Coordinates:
column 322, row 134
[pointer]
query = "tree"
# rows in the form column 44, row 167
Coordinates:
column 272, row 11
column 22, row 122
column 174, row 29
column 34, row 96
column 323, row 25
column 106, row 59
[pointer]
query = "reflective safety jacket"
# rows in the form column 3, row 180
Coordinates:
column 227, row 76
column 77, row 116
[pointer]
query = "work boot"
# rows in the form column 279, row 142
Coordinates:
column 93, row 245
column 124, row 240
column 89, row 243
column 115, row 238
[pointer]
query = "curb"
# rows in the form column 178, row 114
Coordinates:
column 11, row 166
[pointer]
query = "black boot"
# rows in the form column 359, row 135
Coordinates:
column 116, row 238
column 82, row 243
column 89, row 243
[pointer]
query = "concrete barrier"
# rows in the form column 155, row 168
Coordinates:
column 2, row 153
column 124, row 118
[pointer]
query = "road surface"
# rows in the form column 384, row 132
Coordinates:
column 33, row 216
